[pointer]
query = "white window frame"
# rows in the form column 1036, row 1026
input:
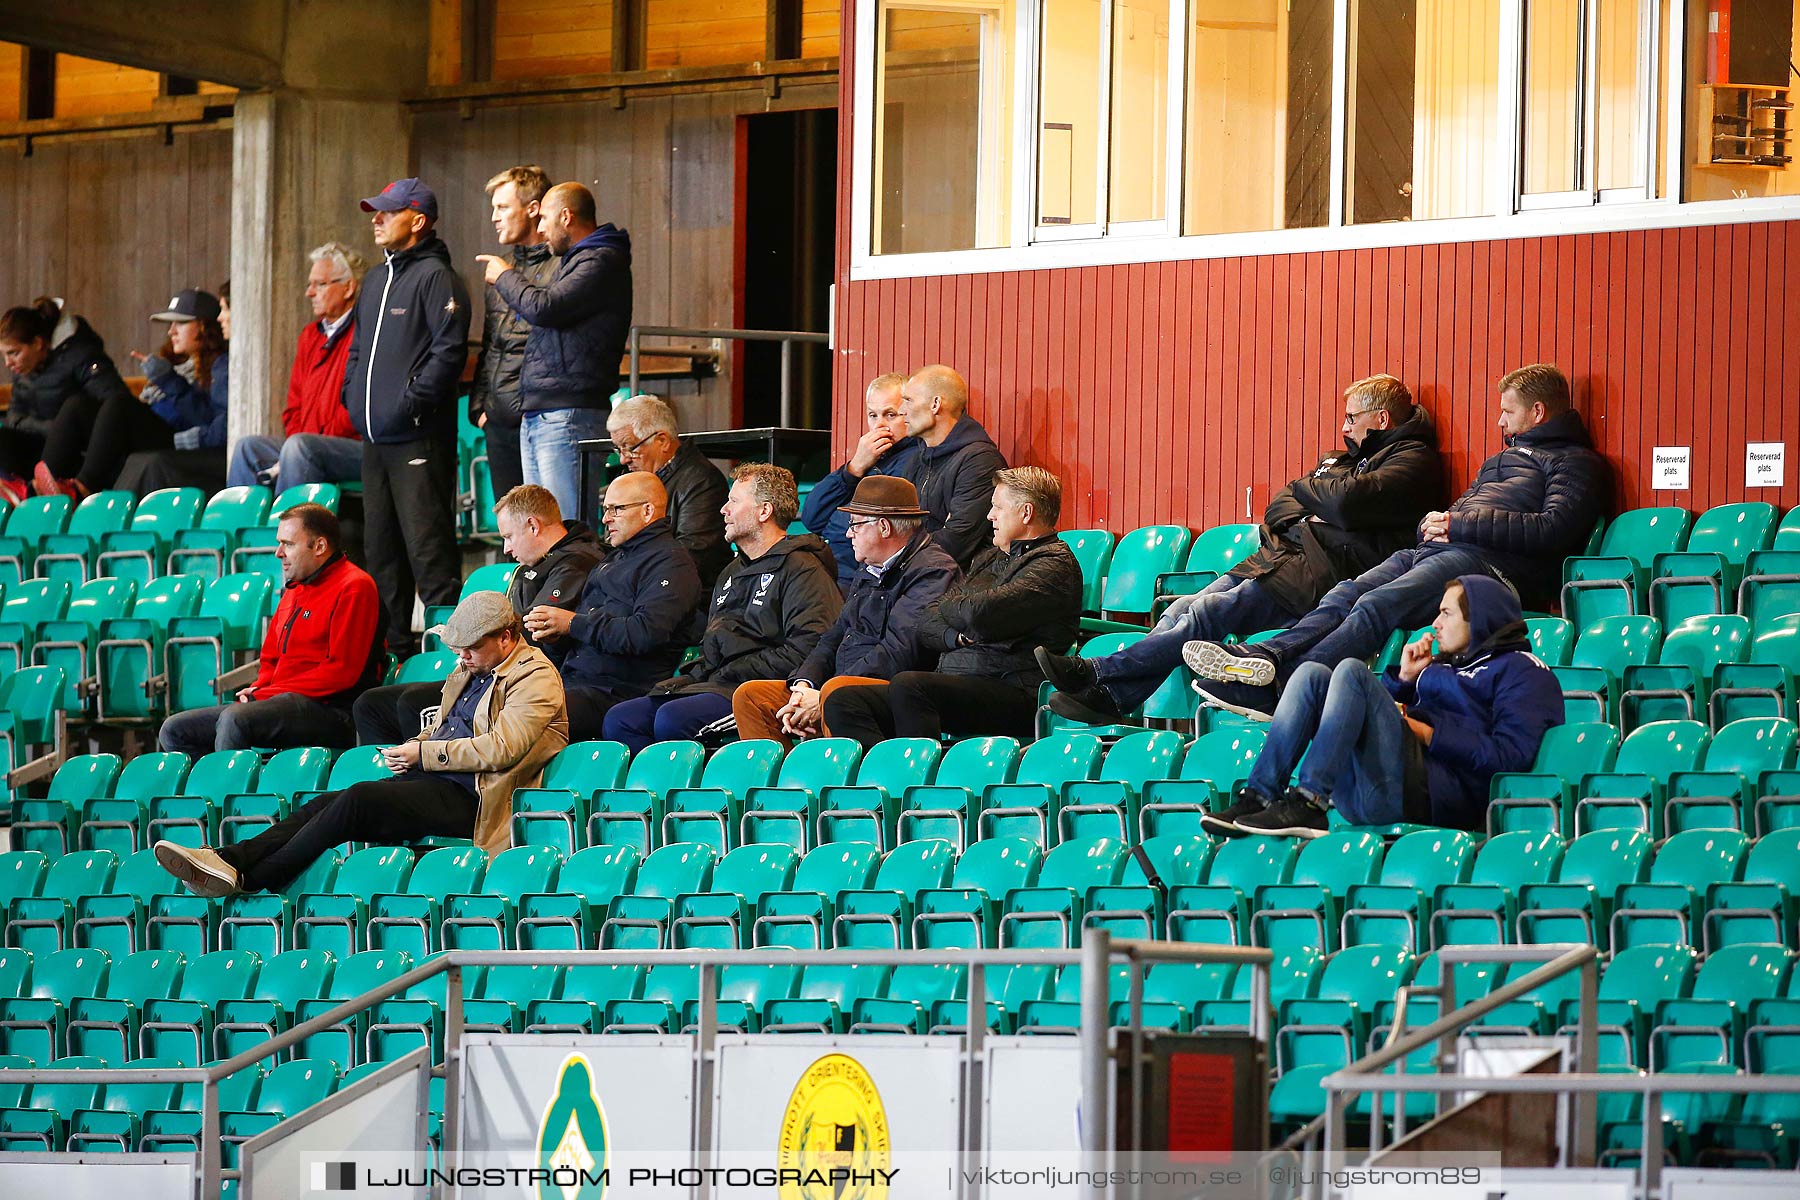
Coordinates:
column 1612, row 210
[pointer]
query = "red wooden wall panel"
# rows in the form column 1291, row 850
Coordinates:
column 1161, row 392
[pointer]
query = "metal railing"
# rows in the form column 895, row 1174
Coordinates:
column 787, row 338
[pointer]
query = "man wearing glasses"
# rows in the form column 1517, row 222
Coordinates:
column 1349, row 513
column 644, row 432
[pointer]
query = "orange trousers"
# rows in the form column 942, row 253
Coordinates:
column 756, row 702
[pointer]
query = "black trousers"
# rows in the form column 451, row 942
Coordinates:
column 123, row 426
column 381, row 811
column 66, row 441
column 930, row 704
column 503, row 459
column 20, row 451
column 587, row 710
column 409, row 528
column 386, row 716
column 147, row 471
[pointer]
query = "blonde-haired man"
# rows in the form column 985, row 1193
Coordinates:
column 516, row 195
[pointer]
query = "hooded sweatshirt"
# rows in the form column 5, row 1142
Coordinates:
column 578, row 320
column 410, row 346
column 955, row 479
column 1488, row 707
column 76, row 365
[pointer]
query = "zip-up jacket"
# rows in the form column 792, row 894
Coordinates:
column 315, row 395
column 557, row 578
column 495, row 390
column 1010, row 603
column 955, row 479
column 326, row 638
column 183, row 404
column 76, row 365
column 697, row 492
column 767, row 615
column 635, row 615
column 820, row 513
column 873, row 635
column 1368, row 499
column 1533, row 504
column 1488, row 707
column 579, row 321
column 411, row 344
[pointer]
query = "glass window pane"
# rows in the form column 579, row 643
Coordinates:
column 1139, row 137
column 1740, row 118
column 1622, row 78
column 1258, row 115
column 1424, row 110
column 1552, row 115
column 942, row 170
column 1069, row 113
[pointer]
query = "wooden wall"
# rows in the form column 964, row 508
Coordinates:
column 1161, row 392
column 117, row 226
column 662, row 168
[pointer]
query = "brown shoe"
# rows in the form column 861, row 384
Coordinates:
column 204, row 872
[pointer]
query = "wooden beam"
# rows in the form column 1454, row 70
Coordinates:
column 242, row 45
column 629, row 18
column 563, row 87
column 479, row 18
column 37, row 85
column 176, row 85
column 782, row 30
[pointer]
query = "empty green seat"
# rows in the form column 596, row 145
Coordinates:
column 912, row 991
column 1306, row 906
column 1577, row 906
column 43, row 1123
column 569, row 918
column 869, row 809
column 191, row 816
column 720, row 918
column 1764, row 684
column 1771, row 585
column 70, row 555
column 586, row 991
column 1024, row 807
column 1048, row 912
column 32, row 1024
column 1667, row 907
column 631, row 814
column 335, row 920
column 640, row 920
column 1093, row 550
column 1708, row 1024
column 180, row 1024
column 1136, row 906
column 129, row 656
column 1759, row 905
column 1544, row 799
column 967, row 912
column 1139, row 558
column 1630, row 794
column 282, row 982
column 1215, row 766
column 1679, row 683
column 226, row 631
column 409, row 919
column 202, row 550
column 116, row 821
column 787, row 811
column 105, row 1023
column 357, row 974
column 116, row 920
column 801, row 915
column 945, row 808
column 825, row 997
column 1603, row 653
column 31, row 523
column 1218, row 909
column 1701, row 576
column 1735, row 762
column 1484, row 909
column 69, row 643
column 1214, row 552
column 1612, row 582
column 881, row 916
column 45, row 922
column 49, row 824
column 1552, row 639
column 263, row 921
column 1107, row 805
column 1396, row 906
column 709, row 811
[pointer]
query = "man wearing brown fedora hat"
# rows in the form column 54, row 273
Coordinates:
column 900, row 573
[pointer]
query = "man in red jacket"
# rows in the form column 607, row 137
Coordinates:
column 322, row 445
column 323, row 648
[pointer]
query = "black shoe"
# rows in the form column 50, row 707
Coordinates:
column 1066, row 673
column 1229, row 664
column 1247, row 803
column 1090, row 706
column 1294, row 815
column 1257, row 703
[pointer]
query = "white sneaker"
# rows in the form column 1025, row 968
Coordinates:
column 204, row 872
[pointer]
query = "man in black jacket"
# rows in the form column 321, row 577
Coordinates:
column 900, row 573
column 954, row 467
column 1355, row 508
column 554, row 559
column 400, row 385
column 636, row 612
column 579, row 321
column 644, row 431
column 1530, row 505
column 494, row 402
column 1024, row 592
column 770, row 607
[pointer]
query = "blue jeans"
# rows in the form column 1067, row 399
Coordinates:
column 1224, row 606
column 304, row 458
column 1354, row 618
column 647, row 719
column 548, row 455
column 1358, row 739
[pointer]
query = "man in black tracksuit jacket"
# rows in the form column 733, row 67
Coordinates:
column 1023, row 593
column 1356, row 507
column 772, row 603
column 494, row 401
column 636, row 613
column 955, row 464
column 400, row 387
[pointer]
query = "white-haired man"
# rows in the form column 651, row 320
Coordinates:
column 644, row 431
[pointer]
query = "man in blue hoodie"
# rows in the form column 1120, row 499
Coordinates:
column 400, row 386
column 1467, row 701
column 885, row 448
column 579, row 321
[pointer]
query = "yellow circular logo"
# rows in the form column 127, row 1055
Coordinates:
column 834, row 1135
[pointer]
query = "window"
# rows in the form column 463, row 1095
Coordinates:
column 1740, row 121
column 1588, row 82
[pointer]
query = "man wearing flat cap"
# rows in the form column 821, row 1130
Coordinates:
column 400, row 386
column 501, row 720
column 900, row 572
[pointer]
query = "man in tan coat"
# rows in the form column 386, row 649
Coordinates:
column 501, row 720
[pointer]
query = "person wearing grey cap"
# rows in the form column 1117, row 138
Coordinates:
column 502, row 718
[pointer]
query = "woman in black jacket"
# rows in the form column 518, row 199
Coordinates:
column 56, row 360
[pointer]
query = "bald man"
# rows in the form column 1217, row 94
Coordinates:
column 637, row 613
column 954, row 469
column 578, row 321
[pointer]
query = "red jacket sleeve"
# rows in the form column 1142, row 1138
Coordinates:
column 354, row 611
column 293, row 413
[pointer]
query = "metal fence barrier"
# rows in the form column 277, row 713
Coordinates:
column 787, row 338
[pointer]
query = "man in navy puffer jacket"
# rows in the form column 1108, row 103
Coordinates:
column 1467, row 701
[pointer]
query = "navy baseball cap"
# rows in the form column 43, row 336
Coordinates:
column 403, row 194
column 191, row 304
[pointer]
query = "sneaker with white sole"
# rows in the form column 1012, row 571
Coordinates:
column 200, row 867
column 1257, row 703
column 1294, row 815
column 1229, row 664
column 1224, row 823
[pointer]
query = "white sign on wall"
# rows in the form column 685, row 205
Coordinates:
column 1765, row 464
column 1670, row 468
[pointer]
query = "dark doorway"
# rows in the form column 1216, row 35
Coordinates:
column 789, row 213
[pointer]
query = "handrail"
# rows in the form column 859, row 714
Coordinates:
column 787, row 338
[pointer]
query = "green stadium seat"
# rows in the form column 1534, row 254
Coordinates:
column 115, row 1125
column 967, row 912
column 69, row 643
column 801, row 914
column 1708, row 1024
column 1325, row 1031
column 253, row 553
column 1603, row 653
column 427, row 666
column 263, row 921
column 586, row 991
column 1667, row 907
column 49, row 824
column 787, row 811
column 1173, row 991
column 202, row 550
column 881, row 916
column 116, row 921
column 21, row 873
column 1700, row 577
column 180, row 1024
column 1630, row 794
column 1093, row 550
column 1061, row 1012
column 709, row 811
column 484, row 919
column 1737, row 758
column 1764, row 684
column 296, row 772
column 1679, row 683
column 1008, row 989
column 1107, row 805
column 27, row 606
column 1049, row 721
column 129, row 654
column 336, row 920
column 507, row 991
column 227, row 630
column 1306, row 906
column 327, row 495
column 945, row 808
column 1137, row 907
column 1025, row 806
column 408, row 919
column 1552, row 639
column 117, row 821
column 284, row 981
column 868, row 810
column 177, row 1129
column 32, row 1024
column 69, row 555
column 825, row 997
column 1485, row 909
column 1138, row 559
column 357, row 974
column 569, row 918
column 632, row 814
column 1612, row 582
column 1395, row 908
column 415, row 1019
column 191, row 818
column 43, row 1123
column 1215, row 766
column 1632, row 983
column 1292, row 974
column 1577, row 907
column 665, row 992
column 1544, row 798
column 640, row 920
column 137, row 552
column 287, row 1089
column 1771, row 585
column 45, row 922
column 1214, row 552
column 1218, row 909
column 104, row 1024
column 27, row 528
column 1759, row 905
column 1048, row 912
column 912, row 991
column 720, row 918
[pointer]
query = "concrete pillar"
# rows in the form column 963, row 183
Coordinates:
column 300, row 162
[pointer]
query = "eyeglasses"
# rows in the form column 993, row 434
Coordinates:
column 853, row 526
column 610, row 509
column 634, row 451
column 1350, row 417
